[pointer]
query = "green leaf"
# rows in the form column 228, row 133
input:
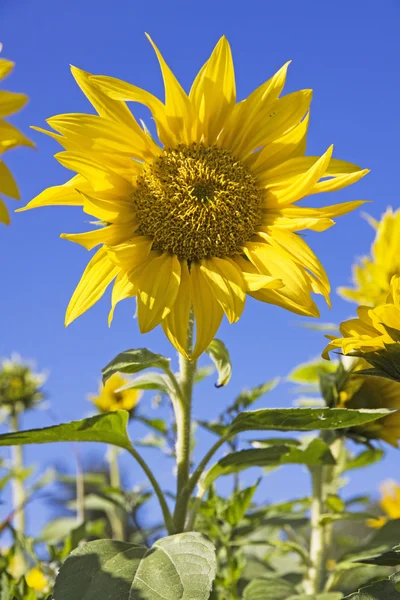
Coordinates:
column 268, row 588
column 178, row 567
column 309, row 372
column 214, row 427
column 248, row 397
column 275, row 442
column 364, row 459
column 385, row 362
column 150, row 381
column 379, row 542
column 219, row 354
column 203, row 372
column 156, row 424
column 239, row 503
column 109, row 428
column 303, row 419
column 316, row 453
column 388, row 589
column 328, row 596
column 386, row 559
column 344, row 516
column 133, row 361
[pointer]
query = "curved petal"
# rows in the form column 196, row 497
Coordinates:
column 11, row 137
column 123, row 288
column 109, row 210
column 8, row 185
column 207, row 311
column 109, row 235
column 213, row 93
column 253, row 279
column 11, row 102
column 158, row 286
column 101, row 178
column 175, row 324
column 6, row 66
column 60, row 195
column 132, row 253
column 4, row 214
column 97, row 276
column 226, row 282
column 297, row 218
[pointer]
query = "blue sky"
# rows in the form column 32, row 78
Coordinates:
column 346, row 51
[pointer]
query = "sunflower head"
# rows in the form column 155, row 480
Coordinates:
column 372, row 274
column 20, row 386
column 111, row 398
column 203, row 210
column 10, row 137
column 36, row 579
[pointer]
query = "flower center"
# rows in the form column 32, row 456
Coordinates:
column 197, row 202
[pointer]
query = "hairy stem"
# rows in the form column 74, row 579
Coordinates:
column 19, row 497
column 116, row 515
column 183, row 415
column 315, row 574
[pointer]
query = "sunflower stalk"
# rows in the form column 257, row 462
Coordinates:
column 116, row 514
column 183, row 415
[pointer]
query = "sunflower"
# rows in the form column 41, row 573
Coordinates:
column 110, row 399
column 360, row 391
column 36, row 580
column 373, row 329
column 389, row 502
column 10, row 137
column 372, row 275
column 196, row 217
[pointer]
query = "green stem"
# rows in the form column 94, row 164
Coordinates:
column 169, row 523
column 116, row 515
column 315, row 574
column 19, row 497
column 80, row 489
column 183, row 415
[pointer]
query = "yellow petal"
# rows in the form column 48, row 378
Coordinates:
column 95, row 279
column 213, row 93
column 64, row 142
column 103, row 135
column 11, row 102
column 131, row 253
column 59, row 195
column 226, row 282
column 337, row 182
column 101, row 178
column 11, row 137
column 7, row 182
column 302, row 184
column 158, row 285
column 123, row 288
column 121, row 90
column 291, row 144
column 177, row 104
column 4, row 215
column 105, row 106
column 110, row 235
column 207, row 311
column 175, row 324
column 6, row 66
column 253, row 279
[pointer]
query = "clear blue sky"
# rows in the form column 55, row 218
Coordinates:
column 348, row 52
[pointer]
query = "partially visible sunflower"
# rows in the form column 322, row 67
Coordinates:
column 10, row 137
column 372, row 275
column 109, row 399
column 359, row 391
column 389, row 503
column 36, row 580
column 206, row 216
column 373, row 329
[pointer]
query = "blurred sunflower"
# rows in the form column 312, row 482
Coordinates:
column 360, row 391
column 36, row 580
column 20, row 387
column 389, row 502
column 10, row 137
column 110, row 399
column 373, row 329
column 207, row 215
column 372, row 275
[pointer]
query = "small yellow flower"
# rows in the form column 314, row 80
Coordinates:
column 204, row 213
column 37, row 580
column 389, row 502
column 10, row 137
column 372, row 275
column 373, row 328
column 108, row 399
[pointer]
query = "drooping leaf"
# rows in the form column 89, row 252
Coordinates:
column 156, row 424
column 149, row 381
column 388, row 589
column 383, row 540
column 248, row 397
column 133, row 361
column 109, row 428
column 268, row 588
column 219, row 354
column 365, row 458
column 391, row 558
column 178, row 567
column 303, row 419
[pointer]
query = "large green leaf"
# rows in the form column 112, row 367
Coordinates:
column 133, row 361
column 391, row 558
column 268, row 588
column 178, row 567
column 109, row 428
column 219, row 354
column 303, row 419
column 327, row 596
column 388, row 589
column 316, row 453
